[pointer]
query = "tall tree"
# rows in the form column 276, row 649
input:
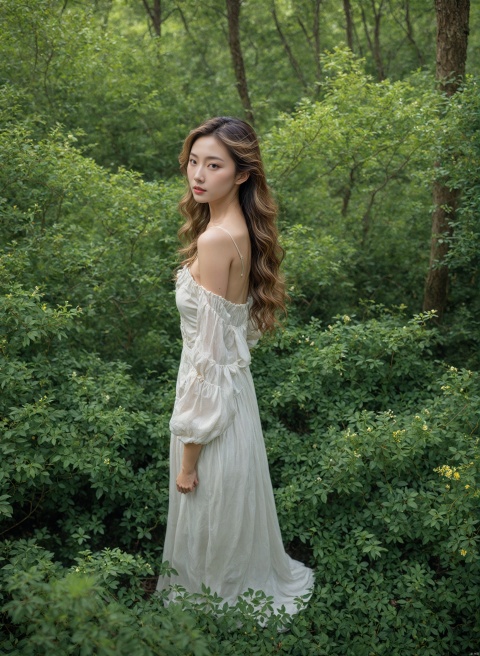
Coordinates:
column 452, row 38
column 233, row 14
column 314, row 38
column 347, row 9
column 374, row 43
column 154, row 12
column 409, row 32
column 291, row 57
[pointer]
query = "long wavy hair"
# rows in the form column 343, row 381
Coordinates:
column 266, row 285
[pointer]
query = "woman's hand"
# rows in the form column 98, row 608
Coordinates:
column 187, row 482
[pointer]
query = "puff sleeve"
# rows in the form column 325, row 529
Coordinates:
column 215, row 362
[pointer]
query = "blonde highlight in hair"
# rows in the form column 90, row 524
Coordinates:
column 266, row 287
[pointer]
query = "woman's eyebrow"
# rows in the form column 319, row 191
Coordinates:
column 209, row 157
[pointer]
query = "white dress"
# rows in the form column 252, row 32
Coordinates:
column 225, row 534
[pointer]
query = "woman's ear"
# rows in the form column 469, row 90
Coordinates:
column 241, row 177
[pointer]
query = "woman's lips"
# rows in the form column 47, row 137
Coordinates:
column 198, row 190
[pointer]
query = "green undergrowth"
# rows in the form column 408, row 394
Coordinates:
column 373, row 447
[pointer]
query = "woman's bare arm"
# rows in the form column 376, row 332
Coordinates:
column 214, row 257
column 187, row 479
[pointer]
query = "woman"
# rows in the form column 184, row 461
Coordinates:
column 222, row 528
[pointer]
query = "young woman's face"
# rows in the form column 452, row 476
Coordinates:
column 211, row 171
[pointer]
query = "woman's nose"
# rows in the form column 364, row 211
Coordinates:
column 198, row 174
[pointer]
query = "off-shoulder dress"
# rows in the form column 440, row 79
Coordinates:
column 225, row 534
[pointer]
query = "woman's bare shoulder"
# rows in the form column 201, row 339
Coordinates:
column 212, row 237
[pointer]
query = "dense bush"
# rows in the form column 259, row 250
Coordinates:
column 102, row 241
column 385, row 487
column 363, row 157
column 73, row 428
column 460, row 164
column 70, row 612
column 374, row 458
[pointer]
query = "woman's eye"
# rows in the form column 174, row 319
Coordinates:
column 214, row 166
column 192, row 161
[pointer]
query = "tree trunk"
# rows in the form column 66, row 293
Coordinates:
column 347, row 8
column 377, row 52
column 452, row 41
column 313, row 39
column 452, row 38
column 233, row 13
column 347, row 191
column 409, row 31
column 374, row 45
column 316, row 38
column 291, row 57
column 155, row 15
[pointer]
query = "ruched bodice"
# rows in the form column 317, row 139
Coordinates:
column 225, row 534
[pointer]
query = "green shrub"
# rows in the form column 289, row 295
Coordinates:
column 374, row 459
column 55, row 612
column 105, row 242
column 460, row 165
column 355, row 167
column 76, row 431
column 380, row 486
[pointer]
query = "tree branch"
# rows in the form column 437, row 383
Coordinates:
column 295, row 65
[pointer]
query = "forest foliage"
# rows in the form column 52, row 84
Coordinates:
column 370, row 406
